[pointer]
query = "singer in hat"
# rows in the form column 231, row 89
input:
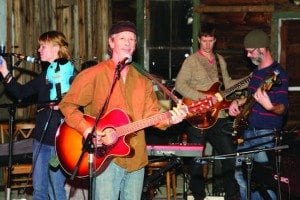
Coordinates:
column 111, row 87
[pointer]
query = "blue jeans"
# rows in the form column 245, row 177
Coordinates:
column 261, row 157
column 47, row 183
column 116, row 183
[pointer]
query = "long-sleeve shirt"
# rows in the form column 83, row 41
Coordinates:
column 259, row 117
column 40, row 87
column 199, row 74
column 135, row 96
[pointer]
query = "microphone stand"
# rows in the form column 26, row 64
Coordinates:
column 248, row 159
column 12, row 111
column 278, row 163
column 89, row 145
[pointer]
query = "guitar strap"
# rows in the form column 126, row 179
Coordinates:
column 219, row 71
column 161, row 86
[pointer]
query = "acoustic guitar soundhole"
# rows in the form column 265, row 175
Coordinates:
column 102, row 151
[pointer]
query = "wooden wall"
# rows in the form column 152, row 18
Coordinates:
column 84, row 22
column 235, row 18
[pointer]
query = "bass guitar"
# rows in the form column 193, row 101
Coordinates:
column 240, row 122
column 205, row 120
column 69, row 142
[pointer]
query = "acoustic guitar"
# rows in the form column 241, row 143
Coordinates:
column 205, row 120
column 69, row 142
column 240, row 122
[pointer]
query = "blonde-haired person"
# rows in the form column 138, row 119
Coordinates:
column 48, row 87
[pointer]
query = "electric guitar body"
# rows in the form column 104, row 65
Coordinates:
column 205, row 120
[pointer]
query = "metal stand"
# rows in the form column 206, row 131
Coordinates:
column 248, row 160
column 89, row 147
column 278, row 164
column 12, row 111
column 185, row 185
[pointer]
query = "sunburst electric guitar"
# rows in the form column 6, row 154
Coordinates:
column 241, row 121
column 207, row 119
column 69, row 142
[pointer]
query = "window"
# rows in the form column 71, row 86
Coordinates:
column 169, row 36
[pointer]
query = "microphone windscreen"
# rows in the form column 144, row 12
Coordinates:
column 129, row 59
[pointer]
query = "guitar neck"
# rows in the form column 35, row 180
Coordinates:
column 265, row 86
column 141, row 124
column 235, row 87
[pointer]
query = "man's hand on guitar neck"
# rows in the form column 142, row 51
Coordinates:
column 178, row 113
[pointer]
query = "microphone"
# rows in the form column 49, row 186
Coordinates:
column 30, row 59
column 125, row 60
column 122, row 64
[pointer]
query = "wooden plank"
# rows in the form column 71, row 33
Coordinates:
column 242, row 2
column 9, row 19
column 102, row 22
column 80, row 44
column 250, row 8
column 89, row 30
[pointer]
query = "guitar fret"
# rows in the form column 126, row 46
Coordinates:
column 235, row 87
column 141, row 124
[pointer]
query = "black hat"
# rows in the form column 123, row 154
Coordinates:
column 122, row 26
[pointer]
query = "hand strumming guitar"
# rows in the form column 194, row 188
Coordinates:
column 234, row 108
column 263, row 99
column 106, row 137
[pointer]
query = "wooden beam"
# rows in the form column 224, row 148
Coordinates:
column 243, row 2
column 216, row 9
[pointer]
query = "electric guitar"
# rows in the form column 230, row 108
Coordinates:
column 241, row 121
column 205, row 120
column 69, row 142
